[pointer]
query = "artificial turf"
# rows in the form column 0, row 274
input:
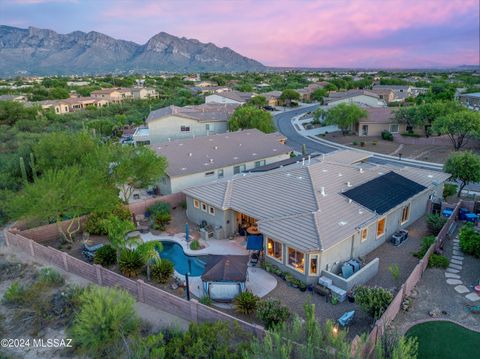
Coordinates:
column 445, row 340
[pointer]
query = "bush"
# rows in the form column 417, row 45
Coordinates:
column 438, row 261
column 387, row 135
column 355, row 143
column 160, row 215
column 426, row 243
column 195, row 245
column 160, row 207
column 449, row 189
column 246, row 302
column 130, row 263
column 373, row 300
column 435, row 223
column 470, row 240
column 105, row 256
column 362, row 144
column 104, row 323
column 162, row 271
column 121, row 211
column 272, row 313
column 50, row 277
column 206, row 300
column 15, row 294
column 95, row 224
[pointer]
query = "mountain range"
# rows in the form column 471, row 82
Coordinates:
column 36, row 51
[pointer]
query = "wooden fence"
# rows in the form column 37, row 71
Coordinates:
column 189, row 310
column 406, row 289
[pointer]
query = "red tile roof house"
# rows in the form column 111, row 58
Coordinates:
column 377, row 121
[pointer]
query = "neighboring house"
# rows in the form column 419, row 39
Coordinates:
column 60, row 107
column 362, row 98
column 172, row 122
column 470, row 100
column 378, row 120
column 272, row 97
column 314, row 217
column 16, row 98
column 401, row 91
column 113, row 95
column 143, row 93
column 232, row 97
column 385, row 94
column 72, row 104
column 199, row 160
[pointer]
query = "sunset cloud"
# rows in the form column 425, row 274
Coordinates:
column 386, row 33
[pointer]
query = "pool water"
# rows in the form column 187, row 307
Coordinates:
column 174, row 252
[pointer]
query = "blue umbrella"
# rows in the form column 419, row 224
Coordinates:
column 186, row 232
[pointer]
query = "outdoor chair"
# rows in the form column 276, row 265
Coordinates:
column 89, row 251
column 346, row 319
column 254, row 258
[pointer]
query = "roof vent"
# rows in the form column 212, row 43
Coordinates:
column 240, row 144
column 211, row 160
column 303, row 161
column 190, row 154
column 322, row 191
column 361, row 170
column 254, row 154
column 349, row 184
column 349, row 200
column 430, row 176
column 169, row 139
column 342, row 223
column 235, row 158
column 215, row 147
column 360, row 211
column 324, row 170
column 300, row 177
column 339, row 174
column 289, row 174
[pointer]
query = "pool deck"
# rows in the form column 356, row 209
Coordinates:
column 259, row 282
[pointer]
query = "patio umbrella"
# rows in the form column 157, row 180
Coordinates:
column 186, row 232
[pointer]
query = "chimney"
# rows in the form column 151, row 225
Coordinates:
column 322, row 191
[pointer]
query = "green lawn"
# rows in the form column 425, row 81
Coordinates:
column 445, row 340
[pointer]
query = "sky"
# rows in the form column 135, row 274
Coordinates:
column 302, row 33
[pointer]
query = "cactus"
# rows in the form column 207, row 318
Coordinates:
column 23, row 170
column 32, row 167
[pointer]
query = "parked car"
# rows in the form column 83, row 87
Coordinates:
column 269, row 108
column 399, row 237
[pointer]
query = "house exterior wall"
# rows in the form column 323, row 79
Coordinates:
column 197, row 215
column 220, row 99
column 162, row 129
column 177, row 184
column 376, row 129
column 361, row 99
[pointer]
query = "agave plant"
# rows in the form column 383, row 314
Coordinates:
column 246, row 302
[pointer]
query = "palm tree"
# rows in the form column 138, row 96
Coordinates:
column 117, row 229
column 150, row 251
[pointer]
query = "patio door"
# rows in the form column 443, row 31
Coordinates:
column 364, row 130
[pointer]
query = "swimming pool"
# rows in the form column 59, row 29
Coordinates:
column 174, row 252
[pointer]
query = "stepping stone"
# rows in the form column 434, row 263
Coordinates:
column 456, row 261
column 451, row 270
column 451, row 275
column 455, row 266
column 456, row 241
column 461, row 289
column 456, row 247
column 473, row 297
column 457, row 253
column 454, row 281
column 458, row 258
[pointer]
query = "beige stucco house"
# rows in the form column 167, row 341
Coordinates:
column 361, row 98
column 378, row 120
column 229, row 97
column 113, row 95
column 144, row 93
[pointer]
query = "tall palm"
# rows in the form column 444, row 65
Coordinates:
column 150, row 251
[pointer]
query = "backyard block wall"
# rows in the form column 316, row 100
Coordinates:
column 361, row 277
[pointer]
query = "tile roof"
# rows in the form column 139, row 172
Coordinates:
column 210, row 112
column 378, row 115
column 236, row 95
column 205, row 153
column 228, row 268
column 305, row 206
column 335, row 96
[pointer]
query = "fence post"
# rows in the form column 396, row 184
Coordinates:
column 30, row 245
column 98, row 269
column 141, row 297
column 65, row 261
column 194, row 310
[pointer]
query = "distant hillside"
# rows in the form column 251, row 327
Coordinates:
column 35, row 51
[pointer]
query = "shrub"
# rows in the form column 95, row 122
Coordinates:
column 373, row 300
column 15, row 294
column 355, row 143
column 374, row 143
column 105, row 256
column 470, row 240
column 449, row 189
column 121, row 211
column 104, row 323
column 130, row 263
column 95, row 224
column 438, row 261
column 272, row 313
column 394, row 270
column 162, row 271
column 160, row 207
column 206, row 300
column 387, row 135
column 195, row 245
column 362, row 144
column 50, row 277
column 435, row 222
column 426, row 243
column 246, row 302
column 160, row 215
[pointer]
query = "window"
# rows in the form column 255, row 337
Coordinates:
column 207, row 127
column 185, row 128
column 313, row 264
column 381, row 227
column 296, row 260
column 211, row 210
column 364, row 234
column 196, row 203
column 405, row 214
column 238, row 169
column 275, row 249
column 394, row 128
column 204, row 207
column 364, row 130
column 259, row 163
column 220, row 173
column 210, row 173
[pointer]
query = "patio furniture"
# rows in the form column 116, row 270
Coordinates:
column 254, row 258
column 141, row 223
column 89, row 251
column 253, row 230
column 346, row 319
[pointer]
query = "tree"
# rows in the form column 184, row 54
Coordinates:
column 345, row 116
column 63, row 194
column 258, row 101
column 318, row 95
column 289, row 95
column 248, row 116
column 117, row 230
column 458, row 126
column 150, row 253
column 136, row 167
column 464, row 167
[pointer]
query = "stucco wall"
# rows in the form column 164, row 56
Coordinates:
column 361, row 277
column 375, row 129
column 162, row 129
column 196, row 215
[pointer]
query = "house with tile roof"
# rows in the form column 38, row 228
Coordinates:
column 363, row 98
column 230, row 97
column 113, row 95
column 316, row 215
column 200, row 160
column 378, row 119
column 174, row 122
